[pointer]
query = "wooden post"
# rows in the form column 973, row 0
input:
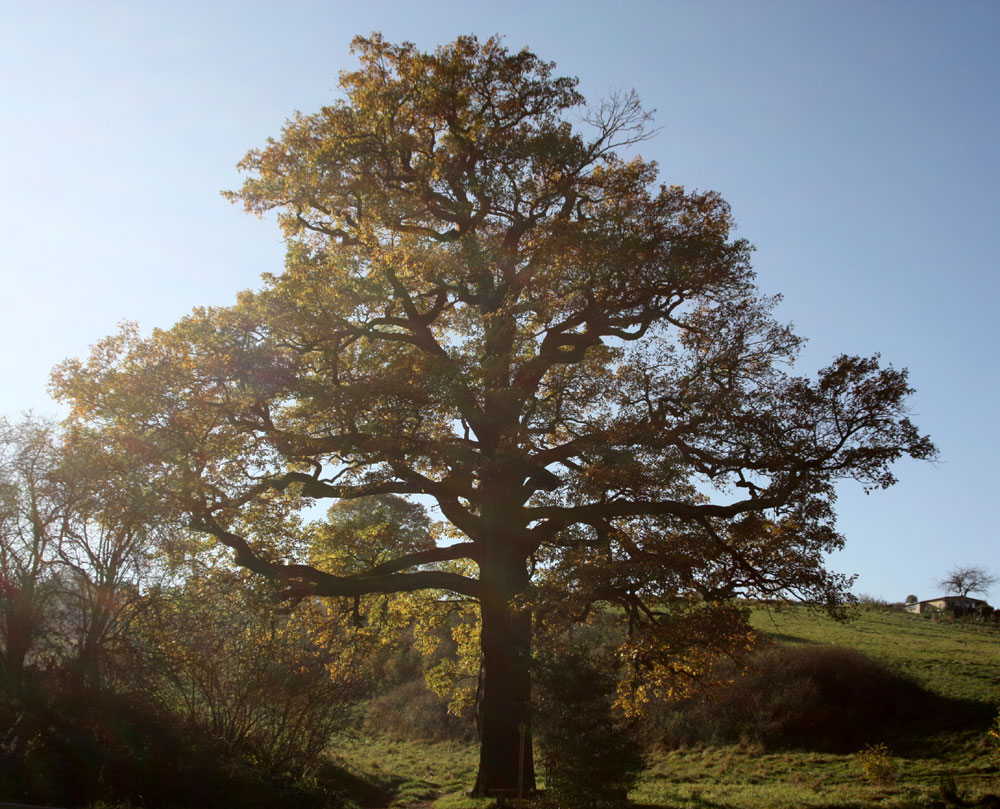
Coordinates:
column 522, row 729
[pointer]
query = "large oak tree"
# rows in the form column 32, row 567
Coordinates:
column 486, row 305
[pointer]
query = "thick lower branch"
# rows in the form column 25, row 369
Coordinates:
column 303, row 580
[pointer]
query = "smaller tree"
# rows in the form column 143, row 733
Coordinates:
column 970, row 579
column 32, row 524
column 114, row 524
column 590, row 747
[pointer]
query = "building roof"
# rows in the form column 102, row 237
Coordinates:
column 952, row 598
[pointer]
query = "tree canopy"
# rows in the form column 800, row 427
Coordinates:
column 493, row 308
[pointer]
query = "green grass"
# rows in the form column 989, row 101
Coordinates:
column 406, row 773
column 751, row 779
column 955, row 660
column 959, row 662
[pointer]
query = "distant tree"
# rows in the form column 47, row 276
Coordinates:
column 33, row 510
column 912, row 599
column 108, row 556
column 965, row 580
column 486, row 305
column 76, row 535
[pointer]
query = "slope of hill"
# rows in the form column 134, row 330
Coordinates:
column 959, row 664
column 955, row 660
column 942, row 755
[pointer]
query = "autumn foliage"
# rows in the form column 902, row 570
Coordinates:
column 490, row 302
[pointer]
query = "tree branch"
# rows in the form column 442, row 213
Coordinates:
column 306, row 580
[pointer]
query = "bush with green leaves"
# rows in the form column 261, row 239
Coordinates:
column 591, row 755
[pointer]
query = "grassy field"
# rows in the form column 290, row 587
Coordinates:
column 958, row 662
column 408, row 773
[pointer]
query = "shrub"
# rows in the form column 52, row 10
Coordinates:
column 877, row 765
column 264, row 682
column 591, row 755
column 993, row 738
column 822, row 698
column 68, row 745
column 412, row 711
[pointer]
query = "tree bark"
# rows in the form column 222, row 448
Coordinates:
column 506, row 759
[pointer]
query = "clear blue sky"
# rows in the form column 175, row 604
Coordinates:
column 856, row 141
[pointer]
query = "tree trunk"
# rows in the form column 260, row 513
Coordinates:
column 506, row 760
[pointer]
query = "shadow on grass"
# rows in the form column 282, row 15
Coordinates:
column 369, row 792
column 938, row 722
column 789, row 640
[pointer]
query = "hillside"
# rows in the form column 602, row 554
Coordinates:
column 955, row 660
column 959, row 665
